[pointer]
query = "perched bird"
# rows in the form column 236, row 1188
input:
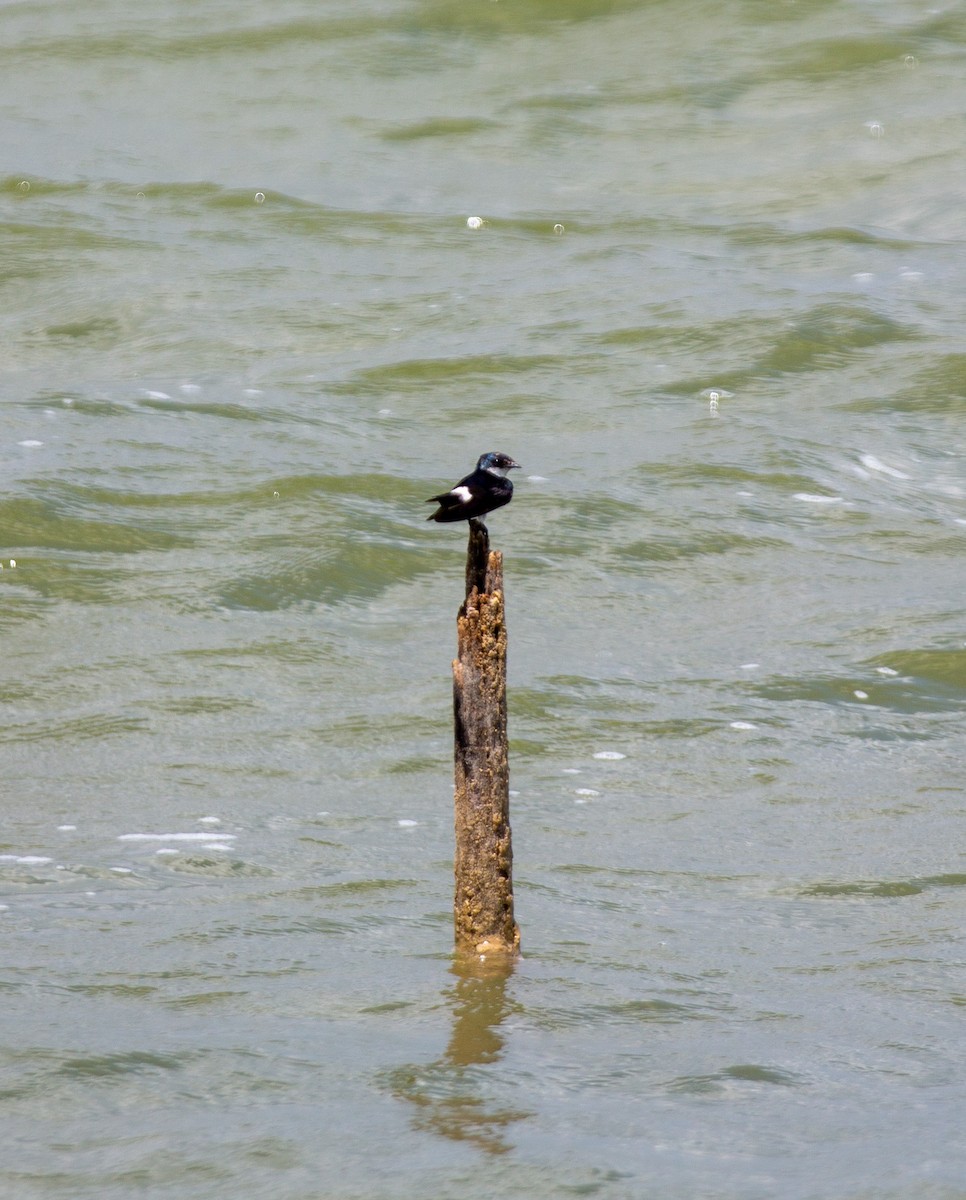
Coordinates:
column 480, row 493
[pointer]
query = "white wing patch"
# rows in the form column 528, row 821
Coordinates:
column 462, row 494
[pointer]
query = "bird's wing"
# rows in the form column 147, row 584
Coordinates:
column 452, row 498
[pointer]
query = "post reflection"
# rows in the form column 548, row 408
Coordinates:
column 457, row 1096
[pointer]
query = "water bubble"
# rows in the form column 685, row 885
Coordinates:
column 24, row 185
column 876, row 128
column 558, row 229
column 259, row 197
column 871, row 463
column 475, row 222
column 860, row 695
column 910, row 60
column 140, row 196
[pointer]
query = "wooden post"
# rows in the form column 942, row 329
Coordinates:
column 483, row 905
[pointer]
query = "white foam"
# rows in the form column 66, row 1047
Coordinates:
column 26, row 860
column 586, row 792
column 406, row 824
column 875, row 464
column 30, row 443
column 810, row 498
column 609, row 755
column 886, row 671
column 209, row 820
column 743, row 725
column 149, row 395
column 66, row 828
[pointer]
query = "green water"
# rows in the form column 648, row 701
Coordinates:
column 715, row 308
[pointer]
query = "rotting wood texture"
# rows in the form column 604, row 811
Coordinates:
column 483, row 906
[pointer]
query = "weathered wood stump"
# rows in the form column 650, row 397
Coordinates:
column 483, row 905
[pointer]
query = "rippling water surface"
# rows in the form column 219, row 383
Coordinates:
column 714, row 305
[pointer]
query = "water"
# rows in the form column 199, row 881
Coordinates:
column 247, row 330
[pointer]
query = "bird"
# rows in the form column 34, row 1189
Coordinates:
column 478, row 493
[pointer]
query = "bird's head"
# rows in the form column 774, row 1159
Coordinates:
column 496, row 463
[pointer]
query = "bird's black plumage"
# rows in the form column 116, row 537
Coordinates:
column 478, row 493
